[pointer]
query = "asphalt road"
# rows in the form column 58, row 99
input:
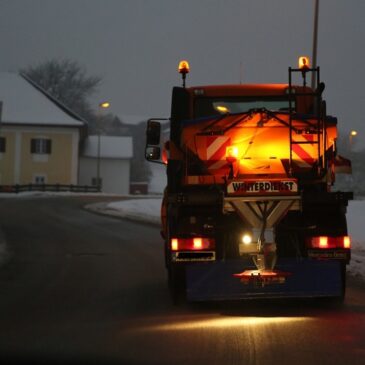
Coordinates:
column 85, row 288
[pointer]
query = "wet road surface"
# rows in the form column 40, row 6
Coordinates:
column 85, row 288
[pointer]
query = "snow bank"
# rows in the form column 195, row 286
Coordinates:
column 145, row 210
column 356, row 221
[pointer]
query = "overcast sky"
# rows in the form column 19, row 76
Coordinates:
column 135, row 45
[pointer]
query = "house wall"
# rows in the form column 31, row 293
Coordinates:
column 115, row 174
column 19, row 166
column 7, row 168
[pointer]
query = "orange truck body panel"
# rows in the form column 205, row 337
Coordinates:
column 263, row 142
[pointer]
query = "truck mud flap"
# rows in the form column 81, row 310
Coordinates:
column 307, row 279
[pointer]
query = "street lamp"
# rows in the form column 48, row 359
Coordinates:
column 101, row 106
column 104, row 104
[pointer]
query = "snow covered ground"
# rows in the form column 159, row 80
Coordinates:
column 356, row 221
column 148, row 210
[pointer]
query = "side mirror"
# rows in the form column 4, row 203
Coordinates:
column 153, row 153
column 153, row 133
column 153, row 140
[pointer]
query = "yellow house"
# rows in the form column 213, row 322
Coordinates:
column 39, row 137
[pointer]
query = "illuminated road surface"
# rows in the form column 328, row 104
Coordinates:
column 84, row 288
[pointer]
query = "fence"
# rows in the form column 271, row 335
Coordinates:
column 49, row 187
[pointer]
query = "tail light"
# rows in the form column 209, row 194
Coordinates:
column 174, row 244
column 346, row 242
column 192, row 244
column 325, row 242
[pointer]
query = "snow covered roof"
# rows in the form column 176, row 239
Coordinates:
column 110, row 147
column 24, row 103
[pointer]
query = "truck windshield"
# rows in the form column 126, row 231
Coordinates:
column 205, row 107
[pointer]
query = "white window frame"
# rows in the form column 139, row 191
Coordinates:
column 40, row 154
column 41, row 144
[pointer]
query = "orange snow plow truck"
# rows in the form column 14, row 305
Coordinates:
column 248, row 210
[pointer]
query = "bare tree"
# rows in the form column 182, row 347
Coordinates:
column 66, row 81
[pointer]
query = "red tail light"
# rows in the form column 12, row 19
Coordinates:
column 198, row 243
column 325, row 242
column 192, row 244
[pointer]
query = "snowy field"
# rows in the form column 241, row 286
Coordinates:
column 148, row 210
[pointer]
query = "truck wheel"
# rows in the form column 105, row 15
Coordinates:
column 176, row 282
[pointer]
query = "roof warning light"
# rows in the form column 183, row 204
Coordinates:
column 303, row 62
column 184, row 69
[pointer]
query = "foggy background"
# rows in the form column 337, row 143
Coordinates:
column 135, row 46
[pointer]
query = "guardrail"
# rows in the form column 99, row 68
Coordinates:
column 49, row 187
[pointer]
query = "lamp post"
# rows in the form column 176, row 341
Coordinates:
column 353, row 134
column 103, row 105
column 315, row 41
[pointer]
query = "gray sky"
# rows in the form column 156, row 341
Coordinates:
column 135, row 45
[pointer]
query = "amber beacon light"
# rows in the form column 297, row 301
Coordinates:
column 303, row 62
column 184, row 69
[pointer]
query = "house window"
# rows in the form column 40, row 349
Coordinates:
column 39, row 179
column 2, row 144
column 41, row 146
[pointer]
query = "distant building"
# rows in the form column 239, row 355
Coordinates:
column 39, row 136
column 114, row 155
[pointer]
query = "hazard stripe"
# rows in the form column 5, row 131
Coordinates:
column 218, row 165
column 303, row 153
column 305, row 159
column 220, row 154
column 215, row 146
column 216, row 153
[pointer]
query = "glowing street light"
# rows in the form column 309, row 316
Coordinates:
column 104, row 105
